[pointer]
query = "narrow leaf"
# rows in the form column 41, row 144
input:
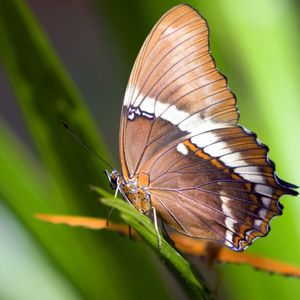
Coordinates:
column 146, row 230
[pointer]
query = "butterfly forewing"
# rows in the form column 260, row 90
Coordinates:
column 174, row 82
column 208, row 177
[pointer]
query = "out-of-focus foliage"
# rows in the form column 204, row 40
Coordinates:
column 255, row 43
column 60, row 181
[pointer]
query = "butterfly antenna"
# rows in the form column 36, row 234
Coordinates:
column 66, row 126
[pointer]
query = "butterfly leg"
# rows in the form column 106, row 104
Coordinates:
column 156, row 227
column 129, row 232
column 111, row 210
column 117, row 189
column 109, row 215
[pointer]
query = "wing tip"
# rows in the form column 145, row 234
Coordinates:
column 287, row 187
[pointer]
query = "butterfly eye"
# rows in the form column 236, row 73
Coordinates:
column 113, row 178
column 113, row 185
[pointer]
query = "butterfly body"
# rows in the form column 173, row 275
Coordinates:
column 137, row 196
column 183, row 153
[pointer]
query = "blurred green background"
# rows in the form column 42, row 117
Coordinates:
column 255, row 43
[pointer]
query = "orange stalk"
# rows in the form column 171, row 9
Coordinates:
column 185, row 244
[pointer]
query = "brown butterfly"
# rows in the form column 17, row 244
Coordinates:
column 183, row 154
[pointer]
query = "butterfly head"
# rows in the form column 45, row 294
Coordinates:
column 113, row 178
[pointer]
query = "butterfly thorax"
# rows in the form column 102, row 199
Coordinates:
column 137, row 196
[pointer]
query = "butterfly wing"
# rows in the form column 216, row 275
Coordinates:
column 173, row 70
column 222, row 188
column 208, row 176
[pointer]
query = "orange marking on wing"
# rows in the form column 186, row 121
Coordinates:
column 143, row 180
column 190, row 146
column 236, row 239
column 244, row 227
column 201, row 154
column 270, row 215
column 279, row 192
column 195, row 149
column 235, row 176
column 248, row 186
column 216, row 163
column 123, row 164
column 254, row 198
column 274, row 203
column 124, row 168
column 122, row 157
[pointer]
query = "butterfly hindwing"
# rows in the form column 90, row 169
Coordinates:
column 228, row 184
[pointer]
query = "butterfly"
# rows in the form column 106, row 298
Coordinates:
column 183, row 154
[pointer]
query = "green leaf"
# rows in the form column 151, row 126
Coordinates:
column 47, row 95
column 146, row 230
